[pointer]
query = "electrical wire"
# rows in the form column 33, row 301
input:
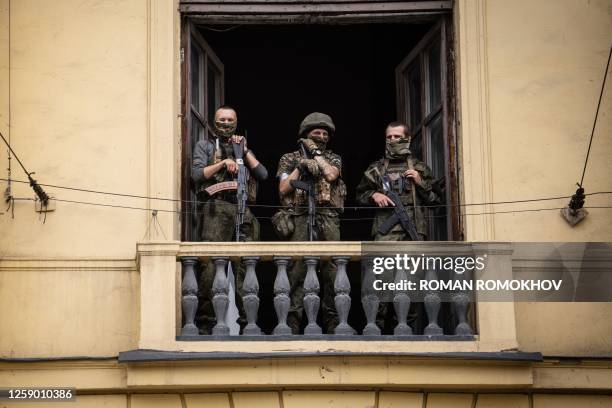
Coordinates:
column 281, row 206
column 596, row 115
column 262, row 217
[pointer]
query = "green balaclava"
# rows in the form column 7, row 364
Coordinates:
column 397, row 149
column 225, row 130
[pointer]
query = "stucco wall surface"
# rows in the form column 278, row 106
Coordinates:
column 544, row 64
column 67, row 309
column 78, row 118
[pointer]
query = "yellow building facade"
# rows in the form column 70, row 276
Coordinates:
column 90, row 97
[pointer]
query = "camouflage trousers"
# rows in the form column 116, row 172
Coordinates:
column 385, row 308
column 218, row 224
column 327, row 224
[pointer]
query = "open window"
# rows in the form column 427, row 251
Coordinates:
column 423, row 81
column 202, row 94
column 363, row 75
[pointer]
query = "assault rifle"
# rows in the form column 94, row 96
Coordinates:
column 308, row 186
column 241, row 188
column 399, row 212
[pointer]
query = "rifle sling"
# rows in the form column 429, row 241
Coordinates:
column 410, row 163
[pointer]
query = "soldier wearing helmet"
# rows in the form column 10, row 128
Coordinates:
column 323, row 168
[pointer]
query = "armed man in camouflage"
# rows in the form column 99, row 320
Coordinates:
column 411, row 179
column 213, row 163
column 323, row 168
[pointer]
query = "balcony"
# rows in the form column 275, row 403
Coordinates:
column 169, row 298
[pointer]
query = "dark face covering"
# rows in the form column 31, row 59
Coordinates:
column 320, row 141
column 397, row 149
column 225, row 130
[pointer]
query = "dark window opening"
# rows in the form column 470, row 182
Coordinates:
column 363, row 75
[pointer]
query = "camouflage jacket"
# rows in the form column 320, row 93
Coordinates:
column 423, row 194
column 205, row 154
column 328, row 194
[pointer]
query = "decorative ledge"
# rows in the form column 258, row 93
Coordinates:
column 142, row 356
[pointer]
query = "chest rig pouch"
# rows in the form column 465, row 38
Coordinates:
column 326, row 193
column 223, row 151
column 403, row 186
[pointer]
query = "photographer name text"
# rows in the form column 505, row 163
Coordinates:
column 470, row 285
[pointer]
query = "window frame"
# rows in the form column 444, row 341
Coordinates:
column 447, row 106
column 440, row 33
column 191, row 113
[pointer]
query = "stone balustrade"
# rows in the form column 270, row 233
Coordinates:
column 311, row 254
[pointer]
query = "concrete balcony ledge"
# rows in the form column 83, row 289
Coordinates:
column 145, row 356
column 150, row 369
column 324, row 249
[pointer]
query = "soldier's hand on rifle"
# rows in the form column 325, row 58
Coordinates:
column 237, row 139
column 231, row 166
column 310, row 146
column 382, row 200
column 414, row 175
column 308, row 166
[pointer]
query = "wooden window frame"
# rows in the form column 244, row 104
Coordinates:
column 312, row 11
column 190, row 113
column 446, row 108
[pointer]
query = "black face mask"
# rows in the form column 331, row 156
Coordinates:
column 225, row 130
column 397, row 149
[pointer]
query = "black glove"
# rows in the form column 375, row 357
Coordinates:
column 311, row 147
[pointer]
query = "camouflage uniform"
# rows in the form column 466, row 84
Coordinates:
column 217, row 223
column 423, row 194
column 329, row 202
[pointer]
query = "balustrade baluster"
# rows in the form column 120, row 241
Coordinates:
column 311, row 296
column 342, row 288
column 220, row 299
column 282, row 301
column 461, row 302
column 369, row 299
column 432, row 307
column 401, row 304
column 189, row 291
column 250, row 298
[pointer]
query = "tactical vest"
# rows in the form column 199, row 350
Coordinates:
column 406, row 189
column 326, row 194
column 403, row 186
column 225, row 151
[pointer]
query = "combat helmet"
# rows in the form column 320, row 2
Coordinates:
column 317, row 120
